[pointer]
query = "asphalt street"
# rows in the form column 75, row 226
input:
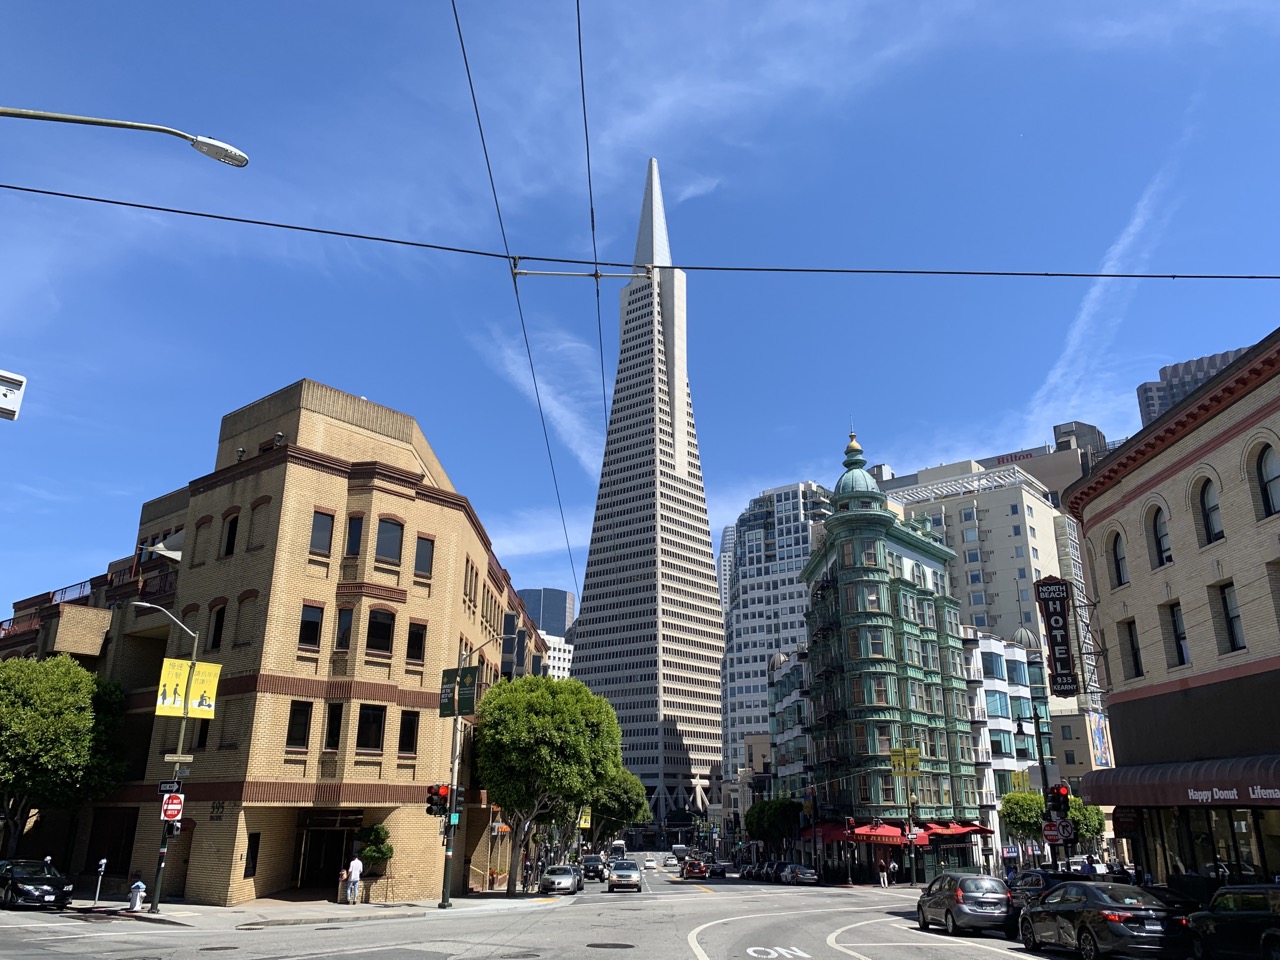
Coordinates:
column 669, row 919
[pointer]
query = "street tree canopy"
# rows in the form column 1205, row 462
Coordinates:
column 1086, row 818
column 541, row 742
column 618, row 803
column 1023, row 813
column 51, row 754
column 772, row 821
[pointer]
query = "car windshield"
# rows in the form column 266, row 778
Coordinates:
column 1122, row 893
column 982, row 885
column 558, row 871
column 32, row 871
column 591, row 858
column 625, row 865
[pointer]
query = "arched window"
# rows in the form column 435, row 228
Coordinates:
column 1269, row 480
column 1160, row 537
column 1210, row 513
column 1120, row 566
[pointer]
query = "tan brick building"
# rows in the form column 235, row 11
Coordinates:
column 1182, row 528
column 331, row 569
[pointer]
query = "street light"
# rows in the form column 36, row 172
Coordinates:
column 912, row 802
column 182, row 734
column 216, row 149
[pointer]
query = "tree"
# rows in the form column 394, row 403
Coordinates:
column 773, row 821
column 618, row 803
column 540, row 742
column 1023, row 813
column 376, row 847
column 1088, row 820
column 46, row 738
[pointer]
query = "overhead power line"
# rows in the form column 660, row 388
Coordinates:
column 595, row 265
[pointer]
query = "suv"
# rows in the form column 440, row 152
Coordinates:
column 963, row 901
column 593, row 867
column 1242, row 921
column 694, row 870
column 624, row 873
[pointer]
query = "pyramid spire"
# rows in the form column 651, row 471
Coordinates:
column 652, row 245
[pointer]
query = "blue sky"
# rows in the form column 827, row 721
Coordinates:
column 961, row 135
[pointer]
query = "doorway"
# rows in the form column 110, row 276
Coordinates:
column 323, row 847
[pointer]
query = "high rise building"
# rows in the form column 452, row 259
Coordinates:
column 650, row 632
column 724, row 564
column 551, row 609
column 1177, row 381
column 767, row 603
column 559, row 657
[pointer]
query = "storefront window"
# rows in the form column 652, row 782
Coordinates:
column 1269, row 828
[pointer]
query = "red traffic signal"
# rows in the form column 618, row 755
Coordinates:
column 438, row 799
column 1060, row 798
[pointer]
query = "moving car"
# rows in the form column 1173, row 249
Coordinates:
column 694, row 870
column 670, row 860
column 651, row 863
column 33, row 882
column 559, row 878
column 719, row 869
column 1098, row 919
column 960, row 901
column 1242, row 921
column 593, row 867
column 798, row 873
column 1027, row 887
column 624, row 873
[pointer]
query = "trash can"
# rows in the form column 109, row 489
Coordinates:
column 137, row 893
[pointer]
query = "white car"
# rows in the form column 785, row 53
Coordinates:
column 671, row 861
column 651, row 863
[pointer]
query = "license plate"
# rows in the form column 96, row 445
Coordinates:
column 1154, row 925
column 48, row 898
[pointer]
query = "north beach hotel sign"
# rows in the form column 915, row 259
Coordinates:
column 1053, row 594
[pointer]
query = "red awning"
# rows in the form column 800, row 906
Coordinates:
column 941, row 830
column 827, row 833
column 885, row 833
column 977, row 828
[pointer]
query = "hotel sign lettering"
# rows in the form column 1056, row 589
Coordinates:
column 1053, row 594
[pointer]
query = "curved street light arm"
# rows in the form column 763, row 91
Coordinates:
column 152, row 606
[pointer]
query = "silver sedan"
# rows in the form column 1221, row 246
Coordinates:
column 559, row 879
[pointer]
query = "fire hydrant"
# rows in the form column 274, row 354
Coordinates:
column 137, row 893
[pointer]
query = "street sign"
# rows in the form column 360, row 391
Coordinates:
column 170, row 786
column 179, row 758
column 1066, row 830
column 1051, row 834
column 171, row 807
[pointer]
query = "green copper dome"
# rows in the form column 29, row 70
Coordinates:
column 855, row 478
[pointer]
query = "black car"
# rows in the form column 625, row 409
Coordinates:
column 1027, row 887
column 593, row 867
column 1242, row 921
column 1099, row 919
column 34, row 882
column 719, row 869
column 962, row 901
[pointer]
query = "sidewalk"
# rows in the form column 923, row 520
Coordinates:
column 283, row 910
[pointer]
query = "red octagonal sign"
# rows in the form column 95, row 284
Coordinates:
column 1051, row 833
column 171, row 806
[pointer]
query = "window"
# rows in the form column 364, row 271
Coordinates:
column 1019, row 551
column 1035, row 555
column 390, row 540
column 1269, row 480
column 1017, row 672
column 966, row 515
column 1066, row 731
column 333, row 726
column 877, row 642
column 343, row 639
column 971, row 556
column 382, row 627
column 202, row 735
column 1163, row 552
column 370, row 726
column 251, row 855
column 424, row 557
column 1013, row 509
column 978, row 598
column 1017, row 529
column 969, row 535
column 1210, row 513
column 415, row 650
column 408, row 732
column 1032, row 532
column 309, row 626
column 975, row 576
column 355, row 530
column 321, row 532
column 1176, row 641
column 298, row 732
column 993, row 665
column 229, row 527
column 1119, row 566
column 997, row 703
column 217, row 623
column 1022, row 573
column 873, row 596
column 1069, row 756
column 1031, row 511
column 1132, row 651
column 1231, row 615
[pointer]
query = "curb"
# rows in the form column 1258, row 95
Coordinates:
column 303, row 921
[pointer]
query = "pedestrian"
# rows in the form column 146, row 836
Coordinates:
column 884, row 873
column 893, row 871
column 354, row 869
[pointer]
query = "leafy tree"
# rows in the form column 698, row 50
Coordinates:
column 541, row 742
column 376, row 849
column 46, row 738
column 1023, row 814
column 772, row 821
column 1087, row 819
column 618, row 803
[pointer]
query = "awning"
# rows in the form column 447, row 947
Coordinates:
column 1234, row 781
column 941, row 830
column 884, row 833
column 977, row 828
column 827, row 833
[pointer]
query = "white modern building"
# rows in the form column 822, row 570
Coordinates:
column 650, row 632
column 559, row 657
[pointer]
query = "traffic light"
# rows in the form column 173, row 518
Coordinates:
column 438, row 800
column 459, row 798
column 1060, row 800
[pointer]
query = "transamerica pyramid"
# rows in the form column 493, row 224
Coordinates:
column 650, row 634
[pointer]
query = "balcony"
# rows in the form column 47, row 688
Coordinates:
column 982, row 756
column 26, row 623
column 977, row 713
column 987, row 798
column 973, row 674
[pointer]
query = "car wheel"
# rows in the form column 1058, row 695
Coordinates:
column 611, row 889
column 1199, row 949
column 1088, row 945
column 949, row 921
column 10, row 901
column 921, row 920
column 1028, row 935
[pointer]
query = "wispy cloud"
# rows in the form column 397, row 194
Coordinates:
column 697, row 187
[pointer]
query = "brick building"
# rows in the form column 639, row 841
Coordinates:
column 332, row 570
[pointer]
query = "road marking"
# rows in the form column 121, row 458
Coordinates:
column 831, row 938
column 701, row 954
column 699, row 886
column 969, row 943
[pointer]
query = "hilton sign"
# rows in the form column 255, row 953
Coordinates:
column 1054, row 597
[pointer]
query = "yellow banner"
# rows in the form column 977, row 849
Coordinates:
column 204, row 690
column 173, row 687
column 584, row 823
column 898, row 758
column 911, row 756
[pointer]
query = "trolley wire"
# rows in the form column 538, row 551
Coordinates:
column 591, row 204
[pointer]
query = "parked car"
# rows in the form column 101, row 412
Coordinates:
column 1027, row 887
column 1242, row 921
column 769, row 872
column 961, row 901
column 577, row 875
column 694, row 870
column 670, row 860
column 651, row 863
column 798, row 873
column 624, row 873
column 33, row 882
column 1099, row 919
column 718, row 869
column 593, row 867
column 559, row 878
